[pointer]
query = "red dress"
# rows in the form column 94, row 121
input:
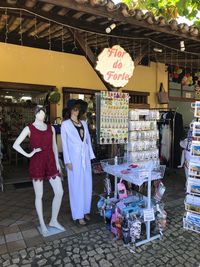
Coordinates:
column 42, row 164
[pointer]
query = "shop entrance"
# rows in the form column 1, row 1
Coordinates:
column 17, row 104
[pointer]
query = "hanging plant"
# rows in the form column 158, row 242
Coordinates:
column 54, row 97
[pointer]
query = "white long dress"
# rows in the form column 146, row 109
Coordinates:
column 79, row 153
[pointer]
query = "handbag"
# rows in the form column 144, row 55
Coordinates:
column 162, row 96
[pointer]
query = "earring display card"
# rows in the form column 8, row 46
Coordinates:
column 112, row 117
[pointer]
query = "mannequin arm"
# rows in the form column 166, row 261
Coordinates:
column 64, row 144
column 55, row 149
column 17, row 144
column 92, row 156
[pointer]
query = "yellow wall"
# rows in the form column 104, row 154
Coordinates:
column 37, row 66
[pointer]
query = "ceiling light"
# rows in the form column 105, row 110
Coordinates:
column 182, row 45
column 110, row 28
column 159, row 50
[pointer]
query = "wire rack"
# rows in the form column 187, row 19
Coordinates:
column 136, row 173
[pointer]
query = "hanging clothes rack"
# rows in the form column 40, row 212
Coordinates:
column 172, row 122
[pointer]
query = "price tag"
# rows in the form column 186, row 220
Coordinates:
column 149, row 215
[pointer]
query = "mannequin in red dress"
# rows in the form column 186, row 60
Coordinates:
column 44, row 164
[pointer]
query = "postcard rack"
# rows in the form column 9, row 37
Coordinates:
column 191, row 220
column 145, row 172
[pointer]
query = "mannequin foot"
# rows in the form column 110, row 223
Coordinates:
column 87, row 217
column 82, row 222
column 44, row 230
column 56, row 225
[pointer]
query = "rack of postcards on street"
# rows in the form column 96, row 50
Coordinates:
column 1, row 166
column 128, row 214
column 191, row 219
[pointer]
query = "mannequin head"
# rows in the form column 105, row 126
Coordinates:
column 75, row 108
column 40, row 113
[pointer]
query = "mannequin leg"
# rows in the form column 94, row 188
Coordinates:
column 38, row 188
column 58, row 193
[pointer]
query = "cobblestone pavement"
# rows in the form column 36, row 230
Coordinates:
column 94, row 245
column 97, row 247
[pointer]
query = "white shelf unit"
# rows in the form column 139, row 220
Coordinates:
column 143, row 135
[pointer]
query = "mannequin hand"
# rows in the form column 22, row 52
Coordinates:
column 58, row 167
column 180, row 166
column 35, row 150
column 69, row 166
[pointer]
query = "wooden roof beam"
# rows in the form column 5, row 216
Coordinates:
column 90, row 56
column 102, row 12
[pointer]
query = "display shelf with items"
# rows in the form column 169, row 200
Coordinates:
column 126, row 210
column 191, row 219
column 112, row 117
column 143, row 135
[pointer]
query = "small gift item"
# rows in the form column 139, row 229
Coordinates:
column 160, row 190
column 122, row 193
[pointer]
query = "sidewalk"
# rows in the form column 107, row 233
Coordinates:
column 90, row 245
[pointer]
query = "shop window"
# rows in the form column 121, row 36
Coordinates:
column 138, row 99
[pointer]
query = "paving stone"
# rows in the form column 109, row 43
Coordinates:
column 91, row 253
column 84, row 263
column 42, row 262
column 16, row 260
column 104, row 263
column 6, row 263
column 48, row 254
column 56, row 252
column 57, row 262
column 69, row 265
column 100, row 251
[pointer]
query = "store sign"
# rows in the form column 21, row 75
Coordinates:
column 116, row 66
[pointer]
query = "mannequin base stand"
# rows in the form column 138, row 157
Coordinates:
column 51, row 231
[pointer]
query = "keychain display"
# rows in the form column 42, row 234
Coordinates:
column 113, row 117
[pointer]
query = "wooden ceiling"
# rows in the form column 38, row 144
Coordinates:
column 78, row 26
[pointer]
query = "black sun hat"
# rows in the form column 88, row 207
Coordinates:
column 77, row 102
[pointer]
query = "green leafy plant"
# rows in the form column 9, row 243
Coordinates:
column 54, row 97
column 170, row 9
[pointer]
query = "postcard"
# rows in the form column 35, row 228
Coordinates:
column 194, row 169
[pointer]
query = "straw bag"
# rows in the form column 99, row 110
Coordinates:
column 163, row 97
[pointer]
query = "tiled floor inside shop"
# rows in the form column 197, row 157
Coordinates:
column 91, row 245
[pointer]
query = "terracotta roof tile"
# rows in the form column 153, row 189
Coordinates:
column 139, row 15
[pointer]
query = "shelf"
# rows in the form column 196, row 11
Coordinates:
column 190, row 226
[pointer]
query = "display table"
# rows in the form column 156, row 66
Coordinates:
column 122, row 168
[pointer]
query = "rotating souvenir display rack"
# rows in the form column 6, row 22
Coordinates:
column 112, row 117
column 1, row 166
column 191, row 219
column 143, row 135
column 136, row 173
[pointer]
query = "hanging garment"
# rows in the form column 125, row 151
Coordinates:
column 166, row 142
column 176, row 126
column 42, row 164
column 79, row 153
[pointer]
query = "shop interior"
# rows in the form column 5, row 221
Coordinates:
column 16, row 111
